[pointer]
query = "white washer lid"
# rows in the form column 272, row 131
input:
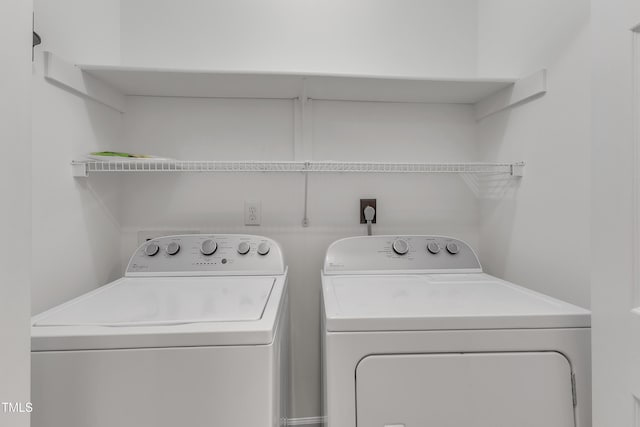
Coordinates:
column 439, row 302
column 165, row 301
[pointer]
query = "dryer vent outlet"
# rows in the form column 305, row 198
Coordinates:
column 363, row 204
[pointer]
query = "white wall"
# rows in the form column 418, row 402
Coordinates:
column 612, row 288
column 539, row 236
column 75, row 230
column 15, row 185
column 405, row 37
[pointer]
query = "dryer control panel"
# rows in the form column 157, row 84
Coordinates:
column 400, row 254
column 207, row 255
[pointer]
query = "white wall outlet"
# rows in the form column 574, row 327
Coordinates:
column 252, row 212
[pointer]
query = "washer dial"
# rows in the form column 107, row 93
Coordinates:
column 243, row 248
column 173, row 248
column 264, row 248
column 151, row 249
column 400, row 246
column 433, row 247
column 452, row 248
column 208, row 247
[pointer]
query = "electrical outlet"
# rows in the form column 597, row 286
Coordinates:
column 363, row 204
column 146, row 235
column 252, row 212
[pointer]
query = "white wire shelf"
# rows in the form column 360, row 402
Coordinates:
column 83, row 168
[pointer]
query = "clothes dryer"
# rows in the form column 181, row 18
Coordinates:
column 415, row 334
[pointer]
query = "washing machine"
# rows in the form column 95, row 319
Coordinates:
column 196, row 333
column 416, row 335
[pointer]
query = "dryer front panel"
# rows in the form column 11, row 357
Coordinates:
column 529, row 389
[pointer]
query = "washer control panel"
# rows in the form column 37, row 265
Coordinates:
column 400, row 254
column 207, row 255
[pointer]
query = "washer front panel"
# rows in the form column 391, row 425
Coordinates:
column 400, row 254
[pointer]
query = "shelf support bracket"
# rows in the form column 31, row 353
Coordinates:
column 305, row 217
column 69, row 76
column 303, row 125
column 525, row 89
column 79, row 169
column 297, row 129
column 517, row 169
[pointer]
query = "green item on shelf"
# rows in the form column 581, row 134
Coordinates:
column 117, row 154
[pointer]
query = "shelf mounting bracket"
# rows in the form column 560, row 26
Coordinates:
column 70, row 77
column 525, row 89
column 303, row 125
column 517, row 169
column 305, row 217
column 79, row 169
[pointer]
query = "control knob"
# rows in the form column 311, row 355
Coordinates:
column 173, row 248
column 452, row 248
column 433, row 247
column 151, row 249
column 264, row 248
column 208, row 247
column 400, row 246
column 244, row 248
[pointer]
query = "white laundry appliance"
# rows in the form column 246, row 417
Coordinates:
column 416, row 335
column 195, row 334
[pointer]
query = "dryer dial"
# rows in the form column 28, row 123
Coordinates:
column 452, row 248
column 400, row 246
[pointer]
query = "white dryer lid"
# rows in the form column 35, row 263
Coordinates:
column 165, row 301
column 439, row 302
